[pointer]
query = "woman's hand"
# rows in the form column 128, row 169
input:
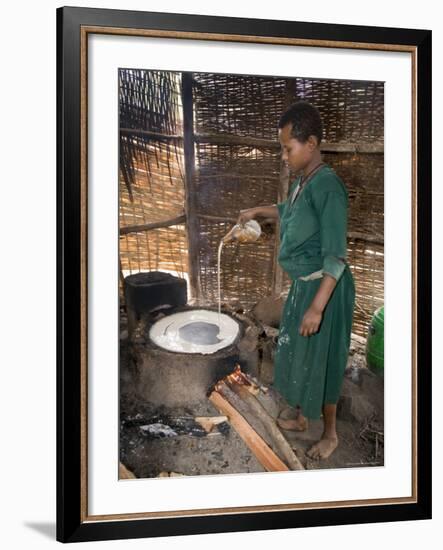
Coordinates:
column 246, row 215
column 310, row 322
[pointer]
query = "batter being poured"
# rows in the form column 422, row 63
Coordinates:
column 247, row 232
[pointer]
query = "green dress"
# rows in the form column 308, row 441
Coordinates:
column 309, row 369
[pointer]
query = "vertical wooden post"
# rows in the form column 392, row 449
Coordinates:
column 192, row 225
column 282, row 194
column 277, row 271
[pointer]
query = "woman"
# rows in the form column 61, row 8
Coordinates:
column 315, row 328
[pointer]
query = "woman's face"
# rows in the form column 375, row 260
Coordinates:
column 295, row 154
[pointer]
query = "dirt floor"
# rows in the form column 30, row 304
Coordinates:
column 156, row 441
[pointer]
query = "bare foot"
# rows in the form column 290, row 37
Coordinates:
column 299, row 424
column 323, row 448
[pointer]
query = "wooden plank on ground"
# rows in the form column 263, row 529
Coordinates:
column 257, row 410
column 264, row 454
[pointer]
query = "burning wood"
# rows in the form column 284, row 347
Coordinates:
column 241, row 379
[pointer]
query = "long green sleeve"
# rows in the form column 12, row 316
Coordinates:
column 331, row 208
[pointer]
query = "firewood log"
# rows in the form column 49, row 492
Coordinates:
column 264, row 454
column 257, row 410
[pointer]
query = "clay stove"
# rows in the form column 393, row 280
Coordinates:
column 179, row 351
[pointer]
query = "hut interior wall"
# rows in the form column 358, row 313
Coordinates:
column 237, row 165
column 151, row 184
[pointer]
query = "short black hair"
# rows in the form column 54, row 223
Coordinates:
column 305, row 119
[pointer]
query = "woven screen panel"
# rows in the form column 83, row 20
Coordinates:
column 363, row 175
column 151, row 171
column 367, row 263
column 247, row 268
column 351, row 111
column 231, row 177
column 242, row 105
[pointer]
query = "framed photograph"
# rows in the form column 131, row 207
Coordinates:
column 244, row 274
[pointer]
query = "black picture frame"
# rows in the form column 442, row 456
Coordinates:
column 73, row 524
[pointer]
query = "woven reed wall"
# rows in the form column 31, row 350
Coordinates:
column 364, row 178
column 232, row 173
column 151, row 171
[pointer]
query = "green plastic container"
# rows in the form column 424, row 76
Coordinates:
column 375, row 342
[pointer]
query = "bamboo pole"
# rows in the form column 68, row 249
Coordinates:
column 154, row 225
column 325, row 147
column 153, row 135
column 260, row 143
column 377, row 239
